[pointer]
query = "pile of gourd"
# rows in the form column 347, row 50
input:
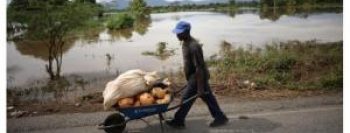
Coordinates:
column 157, row 95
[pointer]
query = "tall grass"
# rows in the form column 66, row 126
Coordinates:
column 291, row 65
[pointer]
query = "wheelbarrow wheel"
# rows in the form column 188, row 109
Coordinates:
column 114, row 123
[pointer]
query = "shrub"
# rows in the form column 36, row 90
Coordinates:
column 120, row 21
column 291, row 65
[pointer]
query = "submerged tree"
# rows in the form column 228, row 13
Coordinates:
column 52, row 23
column 162, row 52
column 139, row 8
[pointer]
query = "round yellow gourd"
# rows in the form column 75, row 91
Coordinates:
column 158, row 92
column 125, row 102
column 165, row 100
column 146, row 99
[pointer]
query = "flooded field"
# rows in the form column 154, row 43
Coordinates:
column 91, row 61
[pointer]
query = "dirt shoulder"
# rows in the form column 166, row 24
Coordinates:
column 229, row 105
column 93, row 102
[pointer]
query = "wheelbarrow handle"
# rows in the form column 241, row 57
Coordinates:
column 178, row 91
column 186, row 101
column 183, row 102
column 183, row 88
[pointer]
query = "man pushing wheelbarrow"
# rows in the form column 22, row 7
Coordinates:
column 134, row 93
column 197, row 76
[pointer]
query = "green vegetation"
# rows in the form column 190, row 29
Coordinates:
column 274, row 9
column 123, row 24
column 301, row 3
column 120, row 21
column 212, row 6
column 291, row 65
column 137, row 13
column 232, row 4
column 138, row 8
column 162, row 52
column 275, row 13
column 52, row 23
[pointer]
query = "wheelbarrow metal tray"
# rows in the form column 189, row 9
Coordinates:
column 143, row 111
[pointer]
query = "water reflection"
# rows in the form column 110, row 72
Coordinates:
column 109, row 59
column 105, row 47
column 92, row 35
column 11, row 71
column 68, row 88
column 142, row 23
column 275, row 13
column 140, row 26
column 38, row 49
column 52, row 90
column 162, row 53
column 52, row 54
column 119, row 34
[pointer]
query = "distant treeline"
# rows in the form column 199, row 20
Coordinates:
column 274, row 14
column 232, row 4
column 176, row 6
column 288, row 3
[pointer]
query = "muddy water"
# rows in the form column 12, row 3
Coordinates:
column 108, row 53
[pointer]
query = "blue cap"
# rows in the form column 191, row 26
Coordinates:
column 181, row 27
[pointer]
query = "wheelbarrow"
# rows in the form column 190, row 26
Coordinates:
column 116, row 122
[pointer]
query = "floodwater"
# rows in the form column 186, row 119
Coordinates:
column 108, row 53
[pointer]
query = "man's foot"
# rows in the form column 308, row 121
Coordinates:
column 217, row 122
column 175, row 124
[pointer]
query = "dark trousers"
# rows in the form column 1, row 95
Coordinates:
column 209, row 99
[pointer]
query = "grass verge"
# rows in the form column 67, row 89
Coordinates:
column 291, row 65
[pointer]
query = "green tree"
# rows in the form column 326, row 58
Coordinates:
column 291, row 3
column 267, row 2
column 87, row 1
column 51, row 22
column 232, row 2
column 120, row 21
column 138, row 8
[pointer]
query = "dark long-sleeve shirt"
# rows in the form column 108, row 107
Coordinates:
column 194, row 64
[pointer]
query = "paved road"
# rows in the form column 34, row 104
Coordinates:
column 312, row 120
column 306, row 115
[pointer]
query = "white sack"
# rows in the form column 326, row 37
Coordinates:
column 128, row 84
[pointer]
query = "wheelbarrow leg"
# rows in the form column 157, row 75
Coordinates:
column 161, row 118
